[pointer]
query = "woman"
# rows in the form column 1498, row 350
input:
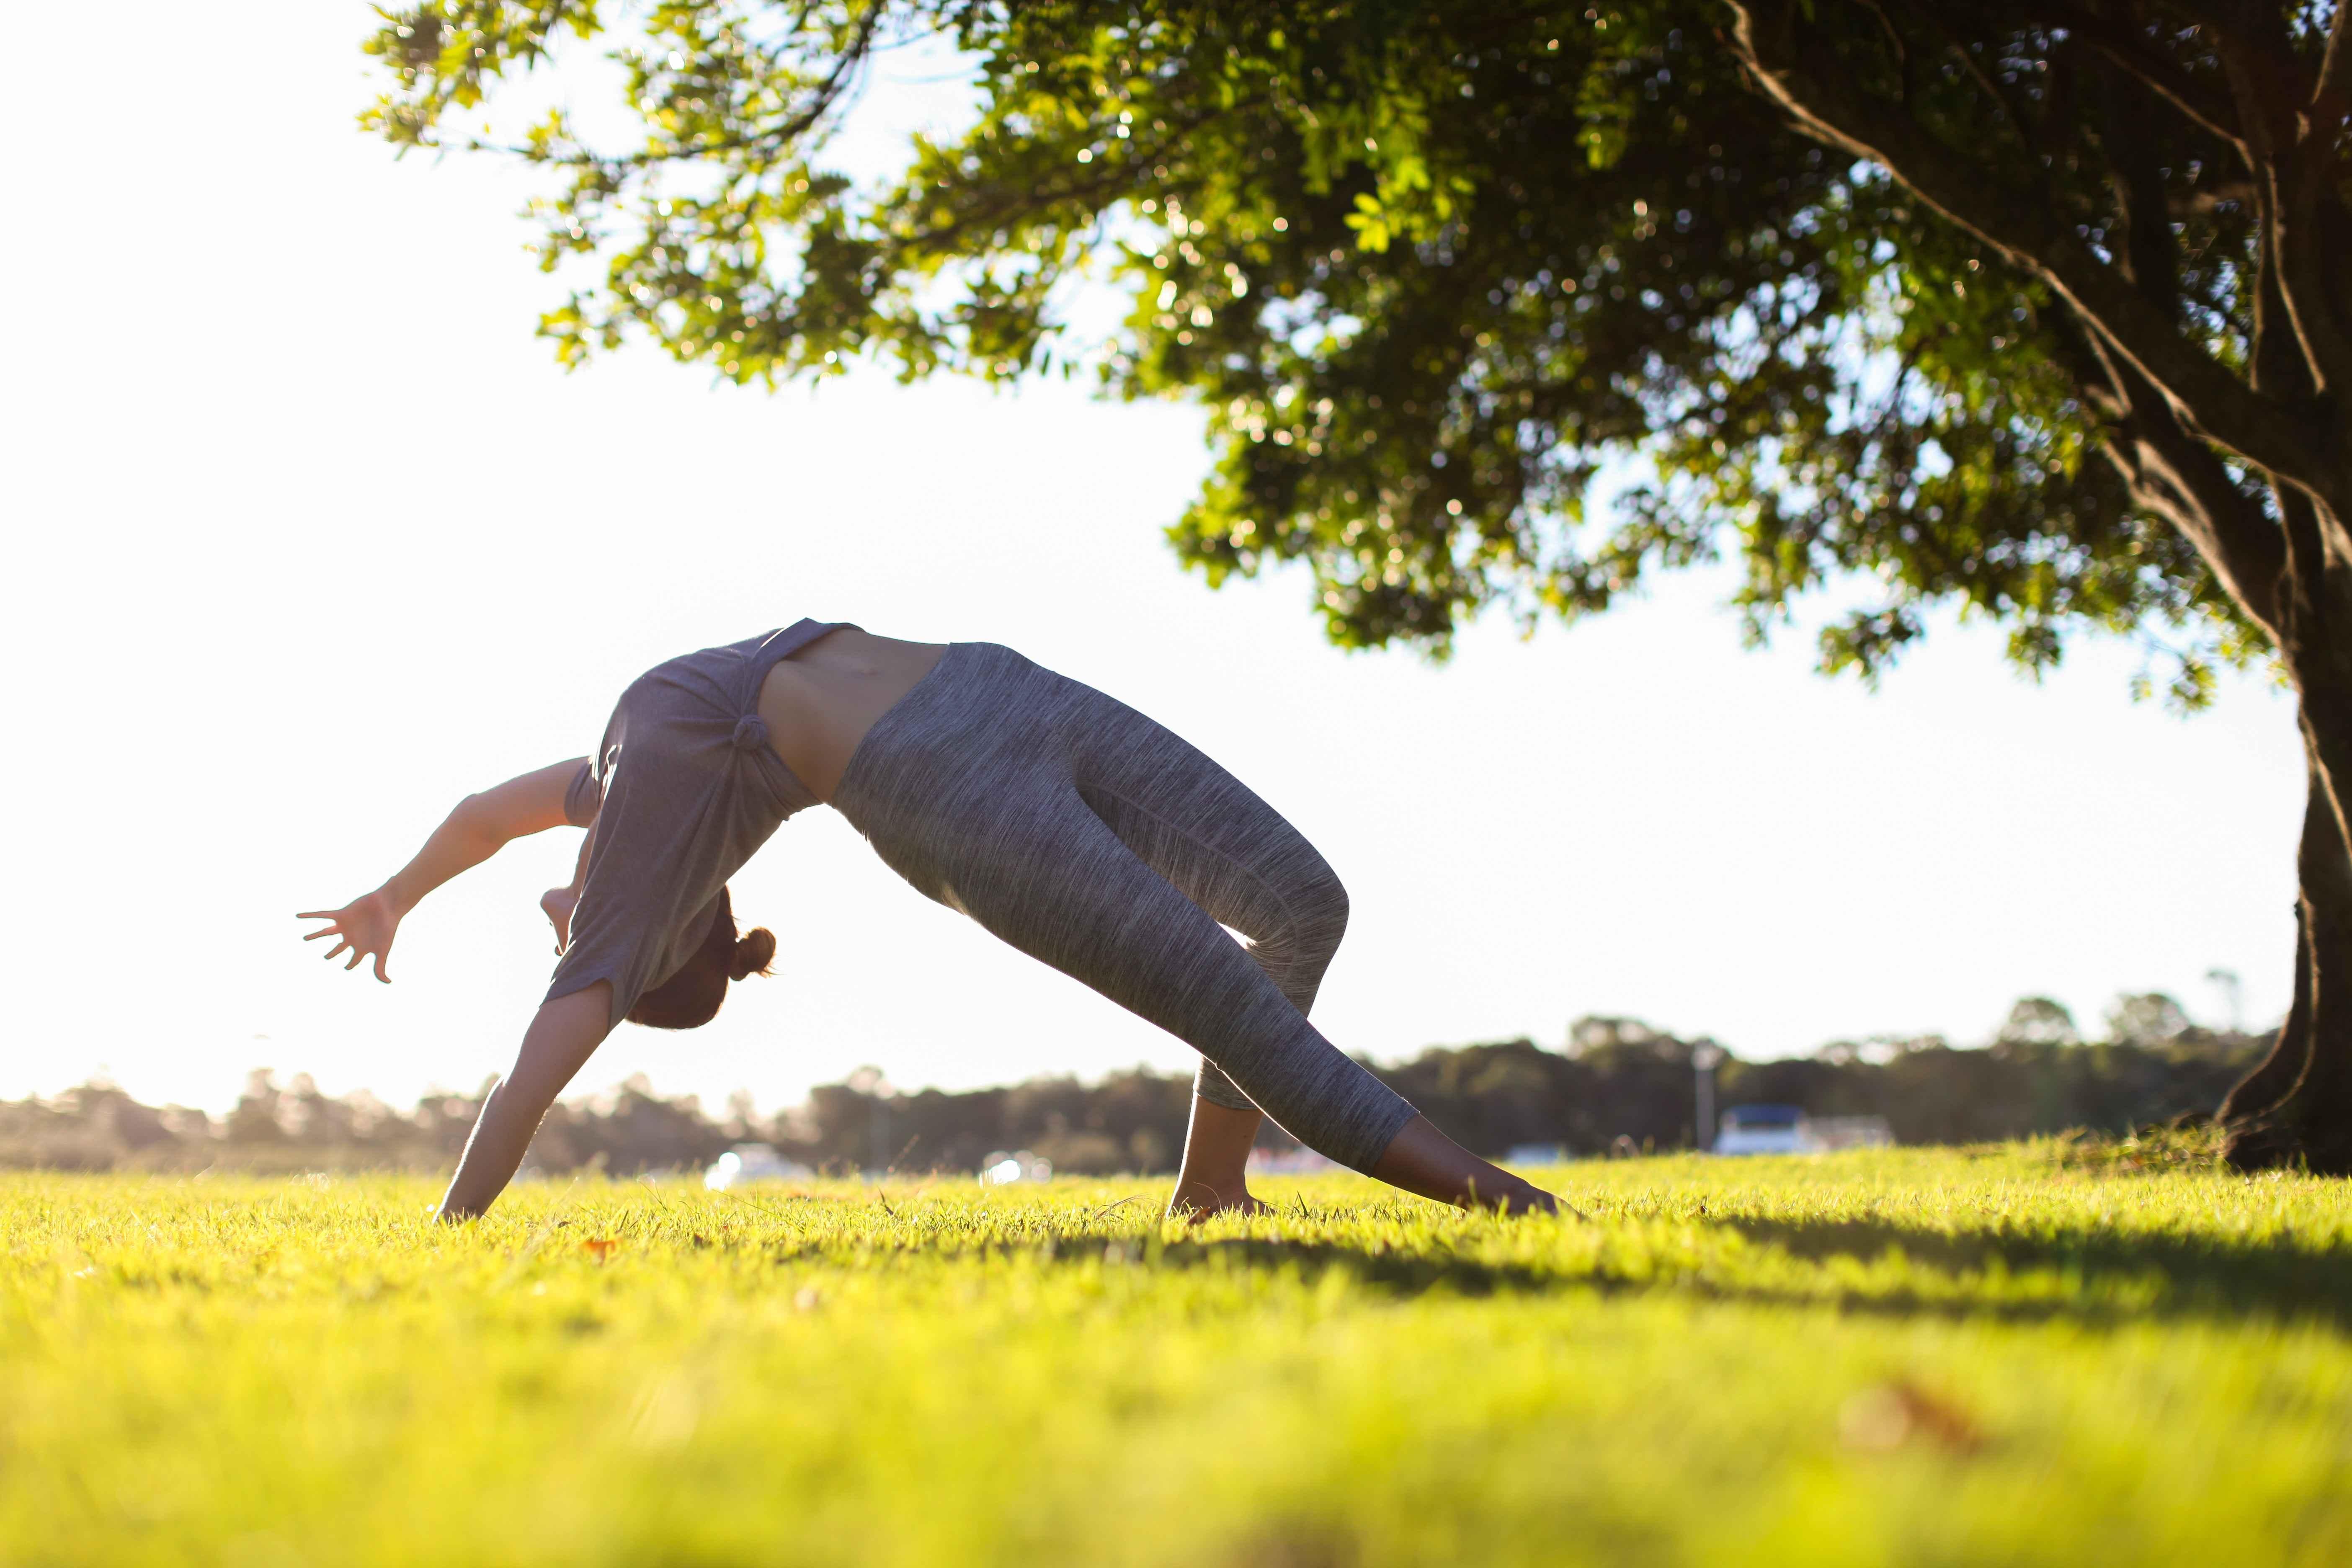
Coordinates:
column 1071, row 825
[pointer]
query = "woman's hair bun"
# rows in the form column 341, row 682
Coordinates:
column 754, row 950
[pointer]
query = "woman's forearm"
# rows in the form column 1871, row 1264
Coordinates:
column 501, row 1134
column 480, row 825
column 464, row 840
column 560, row 1041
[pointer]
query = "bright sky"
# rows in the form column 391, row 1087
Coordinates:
column 308, row 536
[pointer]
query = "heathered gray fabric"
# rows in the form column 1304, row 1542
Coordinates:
column 683, row 789
column 1093, row 840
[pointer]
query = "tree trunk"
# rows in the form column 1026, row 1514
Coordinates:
column 2311, row 1123
column 2295, row 1108
column 2276, row 1076
column 2273, row 1078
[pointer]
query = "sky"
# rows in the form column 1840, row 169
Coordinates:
column 307, row 536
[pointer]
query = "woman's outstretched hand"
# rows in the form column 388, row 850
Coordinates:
column 364, row 928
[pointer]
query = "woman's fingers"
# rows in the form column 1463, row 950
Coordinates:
column 338, row 924
column 349, row 939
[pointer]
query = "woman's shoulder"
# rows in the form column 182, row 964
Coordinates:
column 761, row 648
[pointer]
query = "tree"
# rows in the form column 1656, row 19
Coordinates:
column 2041, row 311
column 2038, row 1021
column 2146, row 1019
column 256, row 1116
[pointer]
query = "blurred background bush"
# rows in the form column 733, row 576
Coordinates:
column 1610, row 1078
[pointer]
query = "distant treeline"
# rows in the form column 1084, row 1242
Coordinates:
column 1615, row 1078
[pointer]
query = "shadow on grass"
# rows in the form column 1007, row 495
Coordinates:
column 2199, row 1276
column 1393, row 1273
column 2107, row 1279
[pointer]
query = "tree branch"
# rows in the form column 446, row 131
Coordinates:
column 2291, row 167
column 2176, row 477
column 2335, row 69
column 2206, row 395
column 2202, row 204
column 769, row 141
column 2158, row 75
column 2174, row 474
column 2149, row 252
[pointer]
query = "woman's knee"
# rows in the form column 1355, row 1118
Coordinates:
column 1320, row 916
column 1300, row 946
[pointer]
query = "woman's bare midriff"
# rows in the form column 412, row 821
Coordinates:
column 819, row 702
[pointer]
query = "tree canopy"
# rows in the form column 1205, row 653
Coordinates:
column 1433, row 271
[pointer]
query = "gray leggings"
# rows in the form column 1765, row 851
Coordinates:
column 1096, row 841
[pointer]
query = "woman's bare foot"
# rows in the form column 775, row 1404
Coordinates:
column 1194, row 1201
column 557, row 904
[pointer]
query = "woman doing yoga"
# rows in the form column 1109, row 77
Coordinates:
column 1069, row 824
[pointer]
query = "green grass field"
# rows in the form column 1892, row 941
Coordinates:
column 1906, row 1358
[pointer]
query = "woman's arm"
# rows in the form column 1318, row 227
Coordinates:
column 475, row 830
column 561, row 1040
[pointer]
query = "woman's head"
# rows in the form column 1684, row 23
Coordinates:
column 689, row 998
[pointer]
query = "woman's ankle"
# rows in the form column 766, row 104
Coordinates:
column 1202, row 1196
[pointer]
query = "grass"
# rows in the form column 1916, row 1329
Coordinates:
column 1912, row 1357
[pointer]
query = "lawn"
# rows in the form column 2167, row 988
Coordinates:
column 1909, row 1357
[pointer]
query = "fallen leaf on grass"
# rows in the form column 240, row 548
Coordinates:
column 1881, row 1419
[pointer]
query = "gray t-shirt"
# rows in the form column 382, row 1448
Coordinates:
column 683, row 790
